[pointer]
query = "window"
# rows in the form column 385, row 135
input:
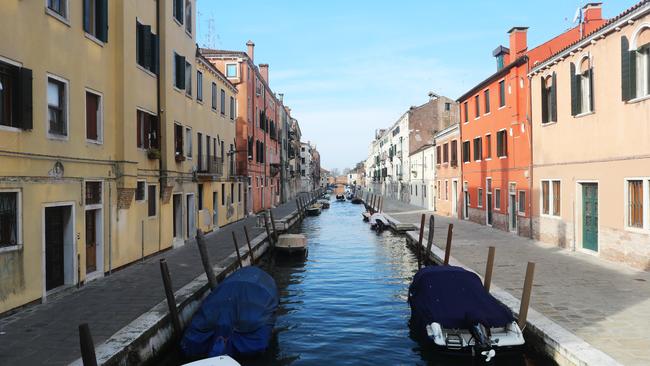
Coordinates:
column 140, row 191
column 581, row 87
column 59, row 7
column 188, row 16
column 57, row 107
column 200, row 196
column 635, row 203
column 188, row 78
column 232, row 192
column 502, row 143
column 445, row 153
column 151, row 200
column 93, row 193
column 477, row 107
column 214, row 96
column 94, row 122
column 438, row 155
column 551, row 197
column 480, row 197
column 223, row 102
column 635, row 65
column 96, row 18
column 188, row 142
column 502, row 93
column 643, row 66
column 465, row 112
column 15, row 96
column 439, row 189
column 147, row 48
column 231, row 70
column 178, row 10
column 199, row 148
column 199, row 86
column 223, row 194
column 446, row 190
column 9, row 219
column 522, row 202
column 488, row 147
column 148, row 130
column 232, row 108
column 454, row 153
column 486, row 99
column 478, row 149
column 466, row 157
column 179, row 71
column 178, row 142
column 447, row 107
column 549, row 98
column 497, row 199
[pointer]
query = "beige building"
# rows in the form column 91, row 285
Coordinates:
column 448, row 177
column 89, row 113
column 591, row 142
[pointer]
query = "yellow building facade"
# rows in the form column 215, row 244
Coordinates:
column 90, row 177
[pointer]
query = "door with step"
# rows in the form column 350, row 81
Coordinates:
column 54, row 247
column 590, row 216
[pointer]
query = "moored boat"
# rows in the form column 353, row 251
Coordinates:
column 291, row 243
column 214, row 361
column 357, row 201
column 453, row 312
column 340, row 197
column 325, row 203
column 378, row 222
column 314, row 210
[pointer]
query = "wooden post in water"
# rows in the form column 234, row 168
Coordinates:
column 525, row 296
column 205, row 259
column 171, row 300
column 427, row 253
column 275, row 232
column 268, row 230
column 381, row 204
column 487, row 280
column 250, row 250
column 371, row 207
column 450, row 232
column 234, row 240
column 87, row 346
column 418, row 250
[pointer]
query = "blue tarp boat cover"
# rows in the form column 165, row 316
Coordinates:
column 454, row 298
column 236, row 318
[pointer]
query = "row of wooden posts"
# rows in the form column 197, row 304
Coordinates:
column 374, row 202
column 86, row 343
column 487, row 279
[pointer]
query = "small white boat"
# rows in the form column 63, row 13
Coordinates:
column 215, row 361
column 291, row 243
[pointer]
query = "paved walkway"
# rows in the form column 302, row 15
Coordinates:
column 606, row 304
column 47, row 334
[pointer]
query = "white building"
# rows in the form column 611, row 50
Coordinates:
column 422, row 174
column 306, row 183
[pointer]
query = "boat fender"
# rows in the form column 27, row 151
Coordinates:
column 488, row 355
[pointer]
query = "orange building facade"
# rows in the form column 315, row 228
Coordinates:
column 496, row 135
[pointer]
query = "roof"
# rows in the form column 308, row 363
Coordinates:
column 604, row 28
column 497, row 75
column 212, row 68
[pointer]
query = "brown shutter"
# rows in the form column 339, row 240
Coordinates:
column 91, row 116
column 542, row 82
column 575, row 90
column 554, row 98
column 24, row 106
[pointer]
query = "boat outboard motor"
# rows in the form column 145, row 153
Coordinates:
column 482, row 343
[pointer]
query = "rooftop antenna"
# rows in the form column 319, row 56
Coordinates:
column 578, row 18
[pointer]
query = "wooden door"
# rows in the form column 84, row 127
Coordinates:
column 54, row 247
column 590, row 216
column 91, row 241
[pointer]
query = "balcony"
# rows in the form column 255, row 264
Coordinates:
column 210, row 167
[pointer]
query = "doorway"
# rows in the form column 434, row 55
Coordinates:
column 94, row 247
column 590, row 216
column 191, row 216
column 59, row 246
column 454, row 198
column 488, row 201
column 512, row 212
column 215, row 210
column 465, row 203
column 177, row 203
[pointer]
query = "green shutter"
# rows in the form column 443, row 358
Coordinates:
column 139, row 55
column 178, row 10
column 24, row 103
column 542, row 82
column 180, row 72
column 102, row 20
column 628, row 71
column 591, row 89
column 575, row 90
column 146, row 46
column 155, row 54
column 554, row 98
column 86, row 10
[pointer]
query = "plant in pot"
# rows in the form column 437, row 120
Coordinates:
column 153, row 153
column 180, row 156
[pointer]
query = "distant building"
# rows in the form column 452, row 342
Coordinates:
column 448, row 176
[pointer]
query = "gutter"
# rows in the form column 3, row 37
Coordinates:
column 160, row 129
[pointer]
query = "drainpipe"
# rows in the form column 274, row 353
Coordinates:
column 160, row 121
column 529, row 119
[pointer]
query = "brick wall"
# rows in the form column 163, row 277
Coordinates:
column 125, row 197
column 428, row 119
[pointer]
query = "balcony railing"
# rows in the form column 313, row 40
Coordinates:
column 210, row 165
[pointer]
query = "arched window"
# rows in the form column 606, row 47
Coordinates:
column 642, row 41
column 635, row 64
column 582, row 100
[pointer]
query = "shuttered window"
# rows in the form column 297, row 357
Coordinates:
column 95, row 18
column 188, row 78
column 15, row 96
column 545, row 197
column 488, row 147
column 148, row 130
column 477, row 107
column 502, row 143
column 58, row 6
column 214, row 96
column 93, row 193
column 445, row 153
column 9, row 216
column 178, row 10
column 635, row 67
column 478, row 149
column 232, row 108
column 57, row 107
column 151, row 200
column 465, row 112
column 556, row 198
column 179, row 71
column 551, row 197
column 635, row 203
column 454, row 153
column 188, row 16
column 522, row 202
column 223, row 102
column 480, row 197
column 438, row 155
column 502, row 93
column 140, row 191
column 147, row 48
column 486, row 100
column 199, row 86
column 466, row 157
column 93, row 117
column 178, row 141
column 497, row 199
column 549, row 98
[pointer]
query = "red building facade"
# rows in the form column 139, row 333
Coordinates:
column 496, row 150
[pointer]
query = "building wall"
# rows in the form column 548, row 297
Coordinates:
column 447, row 174
column 424, row 121
column 605, row 147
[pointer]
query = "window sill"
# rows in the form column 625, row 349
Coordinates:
column 95, row 142
column 57, row 137
column 182, row 91
column 180, row 23
column 488, row 159
column 486, row 114
column 57, row 16
column 94, row 39
column 503, row 157
column 189, row 34
column 12, row 248
column 584, row 114
column 638, row 99
column 544, row 124
column 551, row 217
column 10, row 129
column 189, row 95
column 477, row 118
column 146, row 71
column 500, row 108
column 200, row 101
column 637, row 230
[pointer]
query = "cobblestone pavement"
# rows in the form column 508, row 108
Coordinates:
column 47, row 334
column 604, row 303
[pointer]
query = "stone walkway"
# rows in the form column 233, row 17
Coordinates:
column 606, row 304
column 47, row 334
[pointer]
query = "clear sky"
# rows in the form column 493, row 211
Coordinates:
column 349, row 67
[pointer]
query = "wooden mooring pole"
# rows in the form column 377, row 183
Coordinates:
column 381, row 204
column 250, row 250
column 87, row 346
column 418, row 250
column 427, row 253
column 450, row 232
column 275, row 232
column 234, row 240
column 205, row 259
column 268, row 230
column 171, row 300
column 525, row 296
column 488, row 269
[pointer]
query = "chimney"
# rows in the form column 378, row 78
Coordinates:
column 251, row 50
column 264, row 70
column 517, row 41
column 592, row 11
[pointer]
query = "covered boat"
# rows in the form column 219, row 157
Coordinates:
column 378, row 222
column 314, row 210
column 357, row 201
column 451, row 308
column 340, row 197
column 235, row 319
column 325, row 203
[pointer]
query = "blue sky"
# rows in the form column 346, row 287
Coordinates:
column 348, row 67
